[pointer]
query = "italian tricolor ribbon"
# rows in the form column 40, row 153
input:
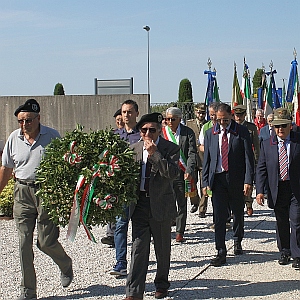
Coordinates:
column 190, row 186
column 80, row 209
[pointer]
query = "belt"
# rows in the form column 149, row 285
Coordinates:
column 145, row 194
column 30, row 183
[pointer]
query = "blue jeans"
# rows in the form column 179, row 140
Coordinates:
column 121, row 237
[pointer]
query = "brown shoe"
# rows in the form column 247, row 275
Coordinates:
column 132, row 298
column 249, row 211
column 161, row 293
column 179, row 238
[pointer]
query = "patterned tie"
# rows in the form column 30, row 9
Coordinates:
column 224, row 150
column 147, row 176
column 283, row 161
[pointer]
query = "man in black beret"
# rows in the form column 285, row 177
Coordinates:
column 155, row 208
column 22, row 154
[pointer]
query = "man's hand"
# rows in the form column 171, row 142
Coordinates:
column 260, row 199
column 247, row 189
column 205, row 191
column 187, row 176
column 150, row 146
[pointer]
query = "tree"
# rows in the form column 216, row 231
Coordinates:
column 185, row 93
column 59, row 89
column 257, row 81
column 185, row 99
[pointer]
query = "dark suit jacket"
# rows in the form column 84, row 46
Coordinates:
column 164, row 169
column 254, row 138
column 187, row 144
column 268, row 167
column 264, row 133
column 240, row 156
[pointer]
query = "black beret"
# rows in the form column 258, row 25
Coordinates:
column 31, row 105
column 118, row 113
column 153, row 117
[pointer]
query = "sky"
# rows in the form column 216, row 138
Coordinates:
column 74, row 42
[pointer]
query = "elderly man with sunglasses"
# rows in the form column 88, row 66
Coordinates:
column 185, row 184
column 155, row 208
column 22, row 154
column 278, row 164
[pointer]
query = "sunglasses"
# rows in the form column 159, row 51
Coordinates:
column 281, row 125
column 28, row 121
column 170, row 119
column 223, row 120
column 151, row 130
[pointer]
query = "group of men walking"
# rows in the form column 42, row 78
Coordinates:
column 221, row 156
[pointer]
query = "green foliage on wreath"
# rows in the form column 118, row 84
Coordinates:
column 7, row 199
column 58, row 178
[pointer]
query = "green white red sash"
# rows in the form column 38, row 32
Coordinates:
column 190, row 186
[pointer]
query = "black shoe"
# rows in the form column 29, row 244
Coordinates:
column 284, row 259
column 108, row 240
column 202, row 215
column 296, row 263
column 238, row 250
column 194, row 208
column 218, row 261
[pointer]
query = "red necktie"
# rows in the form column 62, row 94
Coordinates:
column 283, row 161
column 224, row 151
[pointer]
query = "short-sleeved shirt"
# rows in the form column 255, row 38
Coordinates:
column 23, row 157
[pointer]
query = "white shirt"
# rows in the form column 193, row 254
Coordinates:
column 145, row 157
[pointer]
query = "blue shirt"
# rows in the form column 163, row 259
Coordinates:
column 131, row 137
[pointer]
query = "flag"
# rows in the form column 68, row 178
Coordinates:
column 269, row 101
column 216, row 97
column 246, row 91
column 236, row 98
column 293, row 91
column 209, row 97
column 274, row 94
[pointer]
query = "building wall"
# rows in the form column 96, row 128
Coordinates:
column 65, row 112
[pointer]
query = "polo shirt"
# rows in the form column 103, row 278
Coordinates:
column 23, row 157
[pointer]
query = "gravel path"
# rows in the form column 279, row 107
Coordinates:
column 254, row 275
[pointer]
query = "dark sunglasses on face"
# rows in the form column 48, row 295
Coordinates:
column 28, row 121
column 170, row 119
column 281, row 125
column 223, row 120
column 151, row 130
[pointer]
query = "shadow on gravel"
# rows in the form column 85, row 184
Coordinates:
column 222, row 289
column 94, row 291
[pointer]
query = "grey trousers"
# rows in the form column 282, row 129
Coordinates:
column 143, row 226
column 29, row 212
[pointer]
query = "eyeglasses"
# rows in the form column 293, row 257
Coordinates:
column 28, row 121
column 145, row 129
column 281, row 125
column 170, row 119
column 223, row 120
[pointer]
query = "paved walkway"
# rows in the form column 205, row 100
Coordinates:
column 254, row 275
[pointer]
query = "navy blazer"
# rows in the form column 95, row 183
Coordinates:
column 268, row 167
column 264, row 133
column 240, row 156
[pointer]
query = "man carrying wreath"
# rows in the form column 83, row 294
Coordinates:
column 22, row 154
column 155, row 208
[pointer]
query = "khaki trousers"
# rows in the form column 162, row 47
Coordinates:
column 28, row 212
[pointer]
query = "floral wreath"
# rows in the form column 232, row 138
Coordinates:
column 87, row 178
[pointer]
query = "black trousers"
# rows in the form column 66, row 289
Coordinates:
column 223, row 197
column 287, row 212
